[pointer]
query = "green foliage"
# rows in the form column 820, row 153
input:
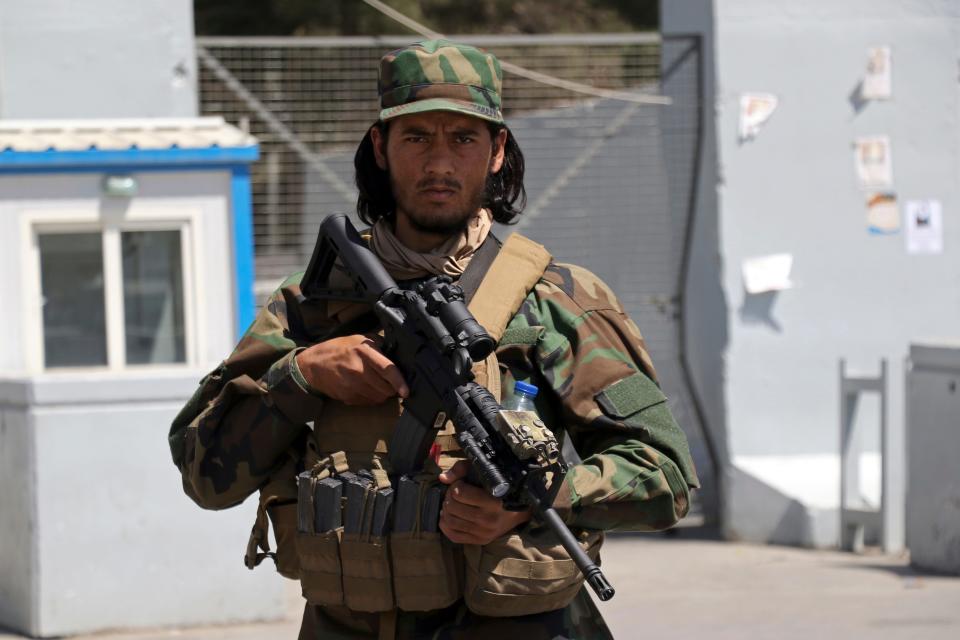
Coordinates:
column 353, row 17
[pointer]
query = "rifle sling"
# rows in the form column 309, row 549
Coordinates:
column 478, row 267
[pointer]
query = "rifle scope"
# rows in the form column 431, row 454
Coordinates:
column 445, row 300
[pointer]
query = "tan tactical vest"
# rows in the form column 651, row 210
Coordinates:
column 422, row 570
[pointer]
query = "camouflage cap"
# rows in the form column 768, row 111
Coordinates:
column 439, row 75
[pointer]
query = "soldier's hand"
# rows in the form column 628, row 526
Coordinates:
column 352, row 370
column 470, row 515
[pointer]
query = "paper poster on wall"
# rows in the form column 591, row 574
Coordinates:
column 755, row 109
column 883, row 215
column 767, row 273
column 924, row 223
column 874, row 166
column 878, row 82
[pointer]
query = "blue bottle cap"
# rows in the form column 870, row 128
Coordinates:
column 523, row 387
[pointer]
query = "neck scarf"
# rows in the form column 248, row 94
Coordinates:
column 450, row 258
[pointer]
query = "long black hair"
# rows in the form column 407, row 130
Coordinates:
column 504, row 194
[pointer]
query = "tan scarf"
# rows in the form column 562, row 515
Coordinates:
column 451, row 258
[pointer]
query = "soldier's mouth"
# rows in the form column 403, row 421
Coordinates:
column 438, row 193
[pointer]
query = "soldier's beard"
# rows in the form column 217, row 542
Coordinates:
column 443, row 221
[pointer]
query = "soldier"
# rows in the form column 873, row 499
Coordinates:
column 436, row 169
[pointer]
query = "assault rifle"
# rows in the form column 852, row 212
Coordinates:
column 434, row 340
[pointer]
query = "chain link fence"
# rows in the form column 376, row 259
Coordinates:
column 310, row 100
column 610, row 183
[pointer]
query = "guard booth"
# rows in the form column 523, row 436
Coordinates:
column 125, row 275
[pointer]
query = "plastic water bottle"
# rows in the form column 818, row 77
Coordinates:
column 522, row 399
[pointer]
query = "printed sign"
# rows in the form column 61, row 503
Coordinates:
column 872, row 162
column 877, row 84
column 883, row 215
column 924, row 223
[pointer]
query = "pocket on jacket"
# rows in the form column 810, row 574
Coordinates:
column 522, row 574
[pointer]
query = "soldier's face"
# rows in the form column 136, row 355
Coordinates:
column 438, row 163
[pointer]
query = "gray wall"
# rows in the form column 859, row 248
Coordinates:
column 793, row 190
column 97, row 59
column 18, row 520
column 94, row 531
column 933, row 448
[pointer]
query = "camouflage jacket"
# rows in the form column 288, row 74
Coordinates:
column 571, row 337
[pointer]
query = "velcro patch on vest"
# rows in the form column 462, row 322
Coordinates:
column 630, row 395
column 521, row 335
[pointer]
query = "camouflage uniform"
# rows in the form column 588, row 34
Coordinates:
column 570, row 337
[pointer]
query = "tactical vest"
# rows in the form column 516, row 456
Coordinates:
column 416, row 570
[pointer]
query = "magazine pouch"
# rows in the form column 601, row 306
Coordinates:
column 319, row 532
column 364, row 554
column 427, row 567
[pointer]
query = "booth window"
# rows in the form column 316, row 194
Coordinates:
column 153, row 297
column 74, row 321
column 80, row 282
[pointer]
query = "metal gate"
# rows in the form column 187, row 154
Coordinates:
column 610, row 182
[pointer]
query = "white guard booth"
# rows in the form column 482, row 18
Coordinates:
column 126, row 269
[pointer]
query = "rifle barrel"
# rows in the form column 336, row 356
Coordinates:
column 595, row 578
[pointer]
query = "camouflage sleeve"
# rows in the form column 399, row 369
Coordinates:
column 601, row 389
column 232, row 433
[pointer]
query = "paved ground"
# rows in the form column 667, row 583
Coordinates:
column 687, row 589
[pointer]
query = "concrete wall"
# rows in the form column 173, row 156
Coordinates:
column 96, row 533
column 793, row 189
column 933, row 448
column 18, row 519
column 97, row 59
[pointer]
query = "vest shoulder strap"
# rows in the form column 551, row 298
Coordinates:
column 514, row 272
column 479, row 265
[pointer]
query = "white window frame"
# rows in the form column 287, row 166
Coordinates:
column 109, row 225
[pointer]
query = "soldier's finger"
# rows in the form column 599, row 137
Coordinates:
column 456, row 472
column 388, row 371
column 466, row 493
column 459, row 536
column 365, row 390
column 376, row 386
column 454, row 536
column 464, row 512
column 469, row 527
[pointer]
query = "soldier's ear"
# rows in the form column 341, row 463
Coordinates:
column 499, row 150
column 378, row 136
